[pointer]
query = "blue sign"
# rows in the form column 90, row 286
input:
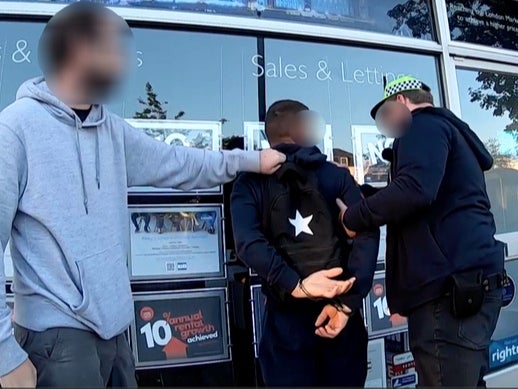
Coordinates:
column 508, row 292
column 404, row 381
column 503, row 352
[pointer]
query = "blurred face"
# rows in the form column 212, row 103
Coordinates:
column 307, row 128
column 394, row 117
column 101, row 62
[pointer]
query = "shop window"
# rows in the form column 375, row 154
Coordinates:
column 192, row 76
column 196, row 76
column 342, row 84
column 410, row 18
column 19, row 57
column 486, row 22
column 489, row 104
column 404, row 18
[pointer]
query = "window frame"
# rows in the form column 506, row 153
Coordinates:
column 244, row 24
column 460, row 63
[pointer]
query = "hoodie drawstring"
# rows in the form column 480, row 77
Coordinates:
column 78, row 146
column 97, row 164
column 97, row 160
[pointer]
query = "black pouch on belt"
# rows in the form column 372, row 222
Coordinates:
column 466, row 293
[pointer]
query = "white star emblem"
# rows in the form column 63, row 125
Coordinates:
column 301, row 224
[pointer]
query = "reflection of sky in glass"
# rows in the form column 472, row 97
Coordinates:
column 502, row 184
column 341, row 83
column 208, row 76
column 204, row 75
column 213, row 77
column 483, row 122
column 370, row 15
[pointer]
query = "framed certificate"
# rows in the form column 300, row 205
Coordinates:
column 176, row 242
column 380, row 321
column 368, row 145
column 258, row 303
column 180, row 328
column 198, row 134
column 255, row 138
column 8, row 263
column 376, row 364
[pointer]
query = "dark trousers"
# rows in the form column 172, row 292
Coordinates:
column 291, row 355
column 450, row 351
column 71, row 358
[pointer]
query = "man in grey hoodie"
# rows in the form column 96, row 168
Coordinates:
column 64, row 157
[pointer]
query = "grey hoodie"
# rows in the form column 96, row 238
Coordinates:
column 63, row 202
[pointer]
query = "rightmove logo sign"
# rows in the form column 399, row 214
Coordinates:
column 503, row 352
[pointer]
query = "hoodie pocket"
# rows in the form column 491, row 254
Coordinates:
column 106, row 306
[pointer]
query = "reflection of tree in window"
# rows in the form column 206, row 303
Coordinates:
column 151, row 106
column 489, row 23
column 498, row 92
column 412, row 19
column 486, row 22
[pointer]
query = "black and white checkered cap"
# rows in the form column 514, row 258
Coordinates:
column 401, row 84
column 394, row 89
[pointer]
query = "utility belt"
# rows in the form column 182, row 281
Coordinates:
column 466, row 291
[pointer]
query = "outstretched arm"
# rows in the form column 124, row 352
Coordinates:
column 153, row 163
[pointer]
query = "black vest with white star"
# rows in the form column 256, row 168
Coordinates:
column 298, row 222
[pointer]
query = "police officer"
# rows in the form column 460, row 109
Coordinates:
column 444, row 266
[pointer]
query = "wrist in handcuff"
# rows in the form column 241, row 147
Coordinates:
column 343, row 308
column 335, row 303
column 305, row 291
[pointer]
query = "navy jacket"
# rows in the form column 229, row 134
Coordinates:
column 436, row 209
column 253, row 248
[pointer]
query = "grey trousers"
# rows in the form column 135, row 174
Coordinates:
column 71, row 358
column 452, row 352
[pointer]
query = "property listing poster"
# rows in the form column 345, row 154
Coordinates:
column 368, row 146
column 8, row 262
column 256, row 138
column 402, row 364
column 197, row 134
column 376, row 368
column 503, row 349
column 176, row 242
column 180, row 328
column 258, row 311
column 379, row 319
